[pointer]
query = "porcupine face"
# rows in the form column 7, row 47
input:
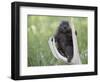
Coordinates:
column 64, row 26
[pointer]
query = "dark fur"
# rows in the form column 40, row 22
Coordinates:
column 64, row 40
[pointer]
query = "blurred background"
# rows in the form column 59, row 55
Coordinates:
column 40, row 28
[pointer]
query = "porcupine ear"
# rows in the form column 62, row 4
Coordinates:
column 59, row 28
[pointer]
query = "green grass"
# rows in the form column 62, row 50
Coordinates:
column 40, row 28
